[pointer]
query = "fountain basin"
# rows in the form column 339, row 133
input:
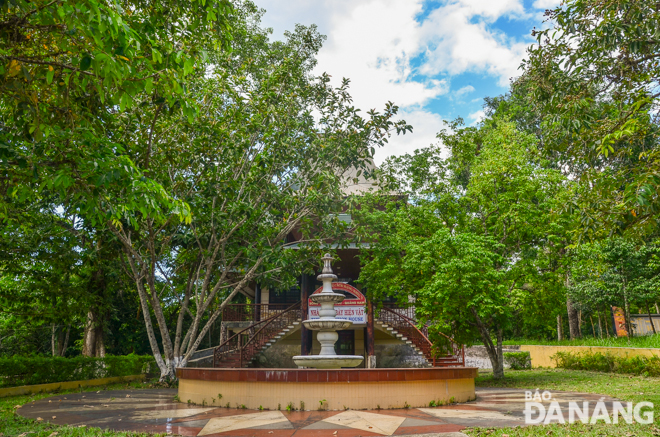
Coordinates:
column 326, row 325
column 328, row 361
column 356, row 389
column 327, row 297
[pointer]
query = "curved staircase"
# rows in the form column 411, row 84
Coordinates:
column 277, row 323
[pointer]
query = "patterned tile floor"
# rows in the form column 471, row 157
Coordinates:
column 156, row 411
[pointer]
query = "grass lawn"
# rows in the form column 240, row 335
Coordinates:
column 11, row 424
column 650, row 341
column 624, row 387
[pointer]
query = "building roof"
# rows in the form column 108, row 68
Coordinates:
column 363, row 184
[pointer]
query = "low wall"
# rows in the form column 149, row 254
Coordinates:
column 65, row 385
column 541, row 354
column 313, row 389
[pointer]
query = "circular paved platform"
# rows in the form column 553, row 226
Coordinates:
column 156, row 411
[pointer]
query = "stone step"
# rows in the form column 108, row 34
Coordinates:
column 296, row 323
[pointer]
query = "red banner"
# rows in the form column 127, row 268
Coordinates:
column 619, row 322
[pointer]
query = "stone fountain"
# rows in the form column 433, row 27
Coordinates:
column 327, row 325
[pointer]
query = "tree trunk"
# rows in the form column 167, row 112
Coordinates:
column 600, row 326
column 626, row 313
column 53, row 341
column 607, row 327
column 64, row 344
column 580, row 323
column 573, row 323
column 89, row 336
column 650, row 318
column 494, row 352
column 560, row 335
column 593, row 329
column 657, row 310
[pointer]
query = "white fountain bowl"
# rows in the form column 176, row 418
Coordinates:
column 327, row 324
column 328, row 361
column 327, row 297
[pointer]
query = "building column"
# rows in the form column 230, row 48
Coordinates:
column 305, row 334
column 371, row 350
column 257, row 301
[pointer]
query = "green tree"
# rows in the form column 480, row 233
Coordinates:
column 466, row 240
column 263, row 157
column 593, row 82
column 68, row 68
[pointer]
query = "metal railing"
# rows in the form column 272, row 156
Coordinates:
column 402, row 319
column 254, row 312
column 241, row 347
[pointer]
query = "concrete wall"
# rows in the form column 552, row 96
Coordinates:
column 66, row 385
column 477, row 356
column 336, row 395
column 541, row 354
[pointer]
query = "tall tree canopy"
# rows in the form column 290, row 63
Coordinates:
column 593, row 82
column 471, row 240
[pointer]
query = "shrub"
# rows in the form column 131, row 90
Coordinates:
column 636, row 365
column 28, row 370
column 518, row 360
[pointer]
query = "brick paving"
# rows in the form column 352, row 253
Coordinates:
column 156, row 411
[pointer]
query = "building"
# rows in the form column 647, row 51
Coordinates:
column 269, row 332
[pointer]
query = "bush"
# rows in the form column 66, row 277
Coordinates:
column 518, row 360
column 22, row 370
column 636, row 365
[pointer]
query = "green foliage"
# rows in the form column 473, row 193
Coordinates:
column 518, row 360
column 592, row 82
column 636, row 365
column 476, row 238
column 28, row 370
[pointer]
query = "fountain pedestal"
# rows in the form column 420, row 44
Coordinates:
column 327, row 325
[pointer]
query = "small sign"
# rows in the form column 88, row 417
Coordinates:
column 351, row 308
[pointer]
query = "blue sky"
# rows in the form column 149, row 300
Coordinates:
column 436, row 60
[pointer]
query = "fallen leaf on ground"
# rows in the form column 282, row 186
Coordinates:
column 39, row 419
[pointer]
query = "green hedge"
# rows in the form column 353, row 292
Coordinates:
column 21, row 370
column 518, row 360
column 636, row 365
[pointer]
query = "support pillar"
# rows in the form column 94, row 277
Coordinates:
column 306, row 285
column 371, row 350
column 257, row 301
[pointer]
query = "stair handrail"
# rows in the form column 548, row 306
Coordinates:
column 270, row 320
column 240, row 346
column 457, row 349
column 216, row 351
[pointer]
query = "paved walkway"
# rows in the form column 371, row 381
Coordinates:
column 156, row 411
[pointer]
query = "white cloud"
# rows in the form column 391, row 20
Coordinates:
column 476, row 117
column 378, row 44
column 459, row 39
column 425, row 124
column 546, row 4
column 465, row 90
